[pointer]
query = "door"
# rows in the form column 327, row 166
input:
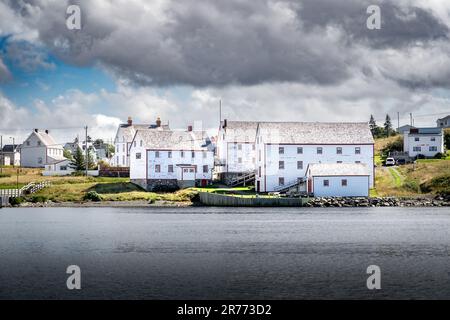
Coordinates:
column 258, row 185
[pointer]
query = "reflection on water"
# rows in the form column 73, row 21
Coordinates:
column 239, row 253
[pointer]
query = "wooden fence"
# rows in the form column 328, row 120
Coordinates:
column 213, row 199
column 30, row 188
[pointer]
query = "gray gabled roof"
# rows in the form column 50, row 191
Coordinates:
column 172, row 139
column 337, row 169
column 10, row 147
column 128, row 131
column 315, row 132
column 240, row 131
column 415, row 131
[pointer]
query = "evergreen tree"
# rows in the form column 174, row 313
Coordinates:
column 372, row 125
column 387, row 126
column 67, row 154
column 90, row 159
column 77, row 162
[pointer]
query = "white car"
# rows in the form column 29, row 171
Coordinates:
column 390, row 162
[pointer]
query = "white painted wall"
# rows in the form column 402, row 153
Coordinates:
column 270, row 157
column 31, row 154
column 357, row 186
column 424, row 145
column 121, row 156
column 164, row 161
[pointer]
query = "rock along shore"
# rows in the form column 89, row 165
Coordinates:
column 438, row 201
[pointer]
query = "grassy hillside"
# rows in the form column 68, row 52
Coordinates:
column 73, row 188
column 425, row 177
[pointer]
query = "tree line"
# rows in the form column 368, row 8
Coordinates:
column 380, row 132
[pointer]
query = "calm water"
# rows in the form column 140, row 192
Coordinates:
column 212, row 253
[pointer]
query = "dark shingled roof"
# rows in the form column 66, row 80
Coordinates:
column 10, row 147
column 316, row 132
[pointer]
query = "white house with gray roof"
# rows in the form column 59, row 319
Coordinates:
column 443, row 122
column 338, row 179
column 125, row 134
column 285, row 149
column 167, row 159
column 40, row 149
column 423, row 141
column 235, row 150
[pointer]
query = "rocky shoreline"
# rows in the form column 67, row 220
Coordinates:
column 438, row 201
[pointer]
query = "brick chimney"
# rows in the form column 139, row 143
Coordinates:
column 130, row 121
column 36, row 130
column 46, row 131
column 158, row 122
column 189, row 128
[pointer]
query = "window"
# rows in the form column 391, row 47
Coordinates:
column 417, row 149
column 205, row 169
column 432, row 148
column 253, row 147
column 123, row 148
column 156, row 154
column 157, row 168
column 239, row 160
column 344, row 182
column 281, row 150
column 281, row 165
column 300, row 165
column 433, row 139
column 39, row 160
column 123, row 160
column 141, row 143
column 338, row 161
column 117, row 160
column 259, row 171
column 182, row 154
column 239, row 146
column 338, row 150
column 253, row 160
column 326, row 183
column 170, row 168
column 169, row 154
column 28, row 143
column 357, row 161
column 63, row 168
column 138, row 155
column 357, row 150
column 204, row 154
column 299, row 150
column 281, row 181
column 193, row 154
column 38, row 143
column 416, row 139
column 259, row 155
column 319, row 150
column 134, row 143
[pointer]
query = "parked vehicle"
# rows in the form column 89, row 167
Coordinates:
column 390, row 162
column 401, row 161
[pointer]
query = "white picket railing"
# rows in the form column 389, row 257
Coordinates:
column 32, row 187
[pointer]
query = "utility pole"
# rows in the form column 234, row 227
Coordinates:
column 410, row 118
column 86, row 147
column 220, row 111
column 14, row 150
column 398, row 121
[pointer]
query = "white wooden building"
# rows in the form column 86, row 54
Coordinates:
column 124, row 136
column 170, row 159
column 285, row 149
column 63, row 168
column 10, row 155
column 423, row 141
column 39, row 149
column 443, row 122
column 235, row 149
column 338, row 179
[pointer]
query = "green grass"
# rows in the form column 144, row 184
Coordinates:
column 398, row 180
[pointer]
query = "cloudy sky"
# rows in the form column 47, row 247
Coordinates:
column 306, row 60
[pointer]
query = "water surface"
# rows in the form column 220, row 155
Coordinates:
column 225, row 253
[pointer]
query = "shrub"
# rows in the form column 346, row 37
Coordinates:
column 396, row 145
column 412, row 185
column 16, row 201
column 5, row 175
column 439, row 155
column 92, row 196
column 165, row 188
column 39, row 198
column 420, row 156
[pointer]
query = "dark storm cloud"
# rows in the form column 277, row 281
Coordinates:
column 234, row 42
column 401, row 25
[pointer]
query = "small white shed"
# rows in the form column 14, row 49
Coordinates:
column 338, row 179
